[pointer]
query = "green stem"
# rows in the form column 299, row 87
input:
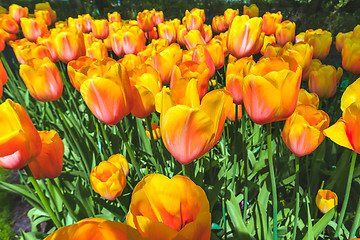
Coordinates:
column 66, row 203
column 273, row 183
column 104, row 133
column 246, row 160
column 153, row 147
column 129, row 150
column 297, row 207
column 347, row 193
column 42, row 197
column 356, row 221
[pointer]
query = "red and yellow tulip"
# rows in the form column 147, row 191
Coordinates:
column 326, row 200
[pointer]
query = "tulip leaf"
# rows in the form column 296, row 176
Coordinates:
column 310, row 233
column 234, row 211
column 323, row 222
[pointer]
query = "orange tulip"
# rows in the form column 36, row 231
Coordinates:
column 44, row 15
column 128, row 40
column 235, row 74
column 320, row 40
column 181, row 33
column 273, row 50
column 146, row 20
column 326, row 200
column 155, row 131
column 114, row 17
column 216, row 51
column 86, row 22
column 345, row 132
column 351, row 55
column 8, row 24
column 285, row 32
column 3, row 75
column 193, row 38
column 69, row 44
column 269, row 22
column 33, row 28
column 268, row 39
column 194, row 19
column 130, row 61
column 167, row 31
column 47, row 41
column 25, row 50
column 46, row 6
column 156, row 45
column 95, row 228
column 188, row 132
column 100, row 28
column 270, row 90
column 300, row 37
column 42, row 78
column 163, row 208
column 229, row 15
column 19, row 140
column 120, row 162
column 146, row 84
column 251, row 11
column 243, row 36
column 306, row 98
column 108, row 96
column 97, row 50
column 323, row 79
column 159, row 17
column 303, row 130
column 340, row 38
column 77, row 67
column 206, row 33
column 202, row 55
column 49, row 163
column 218, row 24
column 17, row 12
column 4, row 35
column 232, row 113
column 302, row 52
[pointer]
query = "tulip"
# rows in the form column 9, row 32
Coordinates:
column 300, row 37
column 235, row 74
column 302, row 52
column 5, row 36
column 268, row 39
column 17, row 12
column 46, row 6
column 47, row 41
column 69, row 44
column 33, row 28
column 114, row 17
column 146, row 20
column 326, row 200
column 77, row 67
column 273, row 50
column 345, row 132
column 306, row 98
column 219, row 24
column 25, row 51
column 193, row 38
column 3, row 75
column 206, row 33
column 97, row 50
column 19, row 140
column 181, row 33
column 270, row 90
column 8, row 24
column 159, row 17
column 100, row 28
column 229, row 15
column 303, row 130
column 323, row 79
column 156, row 45
column 320, row 40
column 167, row 31
column 232, row 113
column 108, row 96
column 163, row 208
column 155, row 131
column 340, row 38
column 285, row 32
column 120, row 162
column 42, row 78
column 251, row 11
column 95, row 228
column 243, row 36
column 146, row 84
column 49, row 163
column 194, row 19
column 190, row 132
column 44, row 15
column 351, row 55
column 108, row 180
column 86, row 22
column 128, row 40
column 202, row 55
column 269, row 22
column 216, row 51
column 131, row 61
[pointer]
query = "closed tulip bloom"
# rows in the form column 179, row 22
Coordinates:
column 108, row 180
column 300, row 37
column 273, row 50
column 42, row 78
column 146, row 20
column 181, row 33
column 320, row 40
column 167, row 31
column 351, row 55
column 243, row 36
column 194, row 19
column 19, row 140
column 326, row 200
column 120, row 162
column 323, row 80
column 146, row 84
column 8, row 24
column 268, row 39
column 229, row 15
column 270, row 90
column 218, row 24
column 98, row 50
column 285, row 32
column 302, row 52
column 206, row 32
column 129, row 40
column 46, row 6
column 47, row 41
column 163, row 208
column 69, row 44
column 232, row 113
column 251, row 11
column 202, row 55
column 7, row 36
column 25, row 50
column 340, row 38
column 190, row 132
column 193, row 38
column 130, row 61
column 86, row 22
column 303, row 130
column 95, row 229
column 17, row 12
column 44, row 15
column 235, row 74
column 155, row 131
column 114, row 17
column 77, row 67
column 345, row 132
column 33, row 28
column 306, row 98
column 100, row 28
column 109, row 96
column 49, row 163
column 217, row 53
column 2, row 44
column 269, row 22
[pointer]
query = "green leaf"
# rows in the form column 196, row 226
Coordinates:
column 323, row 222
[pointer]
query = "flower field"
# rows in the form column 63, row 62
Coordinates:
column 235, row 126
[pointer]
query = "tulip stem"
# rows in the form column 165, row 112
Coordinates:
column 153, row 145
column 356, row 221
column 273, row 183
column 129, row 150
column 347, row 193
column 66, row 203
column 245, row 158
column 297, row 207
column 42, row 197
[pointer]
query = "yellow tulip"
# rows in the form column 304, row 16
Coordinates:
column 326, row 200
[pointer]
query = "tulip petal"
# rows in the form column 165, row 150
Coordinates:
column 337, row 133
